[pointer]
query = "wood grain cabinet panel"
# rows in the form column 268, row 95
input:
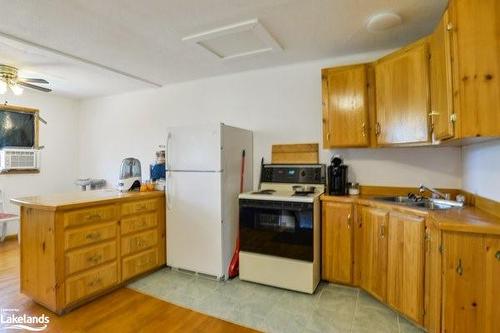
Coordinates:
column 402, row 96
column 140, row 206
column 139, row 242
column 471, row 292
column 337, row 244
column 89, row 235
column 139, row 263
column 475, row 27
column 88, row 257
column 405, row 267
column 441, row 88
column 345, row 106
column 374, row 223
column 90, row 215
column 433, row 275
column 138, row 223
column 90, row 282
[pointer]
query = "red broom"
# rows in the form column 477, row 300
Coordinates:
column 235, row 261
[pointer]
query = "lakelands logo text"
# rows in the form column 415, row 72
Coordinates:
column 12, row 319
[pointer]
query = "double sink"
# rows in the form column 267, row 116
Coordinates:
column 430, row 204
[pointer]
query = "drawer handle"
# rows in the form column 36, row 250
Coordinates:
column 93, row 235
column 460, row 269
column 140, row 243
column 349, row 221
column 382, row 231
column 94, row 282
column 93, row 217
column 142, row 207
column 95, row 258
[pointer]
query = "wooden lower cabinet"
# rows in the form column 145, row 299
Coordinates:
column 70, row 255
column 374, row 222
column 433, row 275
column 405, row 266
column 471, row 283
column 337, row 242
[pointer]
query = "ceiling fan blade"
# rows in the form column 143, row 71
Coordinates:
column 32, row 86
column 32, row 80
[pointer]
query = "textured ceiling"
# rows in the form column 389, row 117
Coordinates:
column 143, row 38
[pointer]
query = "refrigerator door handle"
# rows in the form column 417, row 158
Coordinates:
column 168, row 192
column 167, row 147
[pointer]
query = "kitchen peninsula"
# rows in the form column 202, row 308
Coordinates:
column 78, row 246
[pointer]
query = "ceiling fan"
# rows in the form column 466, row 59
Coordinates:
column 9, row 79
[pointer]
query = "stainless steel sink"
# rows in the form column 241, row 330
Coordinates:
column 430, row 205
column 397, row 199
column 403, row 200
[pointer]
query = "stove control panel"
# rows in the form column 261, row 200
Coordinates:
column 295, row 174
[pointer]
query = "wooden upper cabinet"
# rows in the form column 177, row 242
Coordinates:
column 475, row 27
column 442, row 113
column 402, row 96
column 471, row 292
column 337, row 242
column 405, row 267
column 374, row 223
column 345, row 106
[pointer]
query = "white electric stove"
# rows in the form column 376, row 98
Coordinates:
column 280, row 227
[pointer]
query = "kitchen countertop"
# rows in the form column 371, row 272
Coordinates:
column 467, row 219
column 74, row 199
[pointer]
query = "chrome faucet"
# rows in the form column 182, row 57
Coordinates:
column 422, row 188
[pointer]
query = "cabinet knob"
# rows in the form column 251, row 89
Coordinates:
column 349, row 221
column 377, row 129
column 382, row 231
column 363, row 129
column 460, row 269
column 450, row 26
column 497, row 255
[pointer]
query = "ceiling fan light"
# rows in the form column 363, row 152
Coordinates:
column 16, row 89
column 3, row 87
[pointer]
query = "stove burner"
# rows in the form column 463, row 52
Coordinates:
column 268, row 192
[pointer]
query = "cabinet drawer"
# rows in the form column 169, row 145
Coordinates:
column 89, row 235
column 139, row 242
column 139, row 222
column 90, row 215
column 139, row 206
column 89, row 257
column 139, row 263
column 90, row 282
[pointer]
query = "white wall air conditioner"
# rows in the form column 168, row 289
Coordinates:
column 19, row 159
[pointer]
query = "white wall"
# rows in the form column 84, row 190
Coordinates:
column 481, row 169
column 58, row 159
column 281, row 105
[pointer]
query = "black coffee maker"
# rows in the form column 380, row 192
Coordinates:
column 337, row 177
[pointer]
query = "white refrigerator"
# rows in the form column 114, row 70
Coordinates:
column 203, row 166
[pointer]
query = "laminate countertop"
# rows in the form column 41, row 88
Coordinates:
column 75, row 199
column 466, row 219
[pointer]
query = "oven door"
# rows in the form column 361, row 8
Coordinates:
column 277, row 228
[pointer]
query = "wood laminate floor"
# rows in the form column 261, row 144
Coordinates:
column 123, row 310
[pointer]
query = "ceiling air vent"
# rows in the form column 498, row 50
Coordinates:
column 236, row 40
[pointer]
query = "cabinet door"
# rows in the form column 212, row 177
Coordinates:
column 492, row 284
column 475, row 27
column 374, row 254
column 433, row 274
column 402, row 94
column 441, row 82
column 464, row 294
column 405, row 267
column 337, row 239
column 345, row 107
